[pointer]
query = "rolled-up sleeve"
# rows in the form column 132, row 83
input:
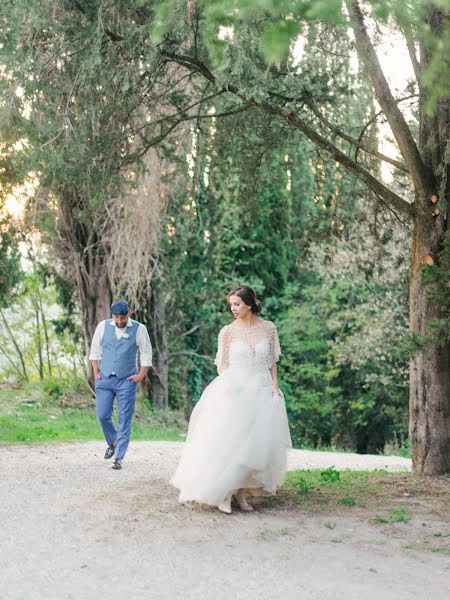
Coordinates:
column 145, row 346
column 96, row 344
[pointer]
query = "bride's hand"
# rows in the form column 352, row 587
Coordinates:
column 276, row 391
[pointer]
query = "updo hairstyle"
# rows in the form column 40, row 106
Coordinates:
column 248, row 296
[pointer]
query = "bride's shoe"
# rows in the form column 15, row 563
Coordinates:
column 225, row 506
column 242, row 501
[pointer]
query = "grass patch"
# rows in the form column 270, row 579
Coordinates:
column 393, row 493
column 329, row 486
column 347, row 501
column 65, row 411
column 396, row 515
column 440, row 550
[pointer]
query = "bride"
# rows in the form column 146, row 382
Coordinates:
column 238, row 434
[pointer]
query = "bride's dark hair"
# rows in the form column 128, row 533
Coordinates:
column 248, row 295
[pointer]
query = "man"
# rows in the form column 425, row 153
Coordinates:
column 113, row 356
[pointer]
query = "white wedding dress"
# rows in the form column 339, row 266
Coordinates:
column 238, row 433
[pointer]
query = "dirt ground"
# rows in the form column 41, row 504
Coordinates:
column 73, row 528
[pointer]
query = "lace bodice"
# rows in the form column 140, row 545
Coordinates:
column 255, row 346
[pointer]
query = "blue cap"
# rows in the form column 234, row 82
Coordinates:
column 120, row 308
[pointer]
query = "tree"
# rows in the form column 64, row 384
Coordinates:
column 254, row 68
column 69, row 101
column 167, row 60
column 10, row 263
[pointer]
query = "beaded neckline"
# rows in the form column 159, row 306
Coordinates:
column 250, row 328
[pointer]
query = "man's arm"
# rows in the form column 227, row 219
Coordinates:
column 96, row 349
column 95, row 368
column 139, row 376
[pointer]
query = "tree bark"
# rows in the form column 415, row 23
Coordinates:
column 38, row 339
column 92, row 282
column 158, row 379
column 45, row 328
column 429, row 404
column 95, row 302
column 430, row 370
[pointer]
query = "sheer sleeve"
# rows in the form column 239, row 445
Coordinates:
column 221, row 360
column 276, row 350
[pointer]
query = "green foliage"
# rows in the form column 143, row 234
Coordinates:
column 344, row 372
column 330, row 475
column 396, row 515
column 276, row 40
column 53, row 388
column 260, row 206
column 351, row 488
column 244, row 219
column 236, row 223
column 35, row 344
column 11, row 272
column 303, row 486
column 283, row 20
column 35, row 413
column 347, row 501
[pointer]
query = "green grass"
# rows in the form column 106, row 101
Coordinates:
column 396, row 515
column 72, row 427
column 342, row 488
column 35, row 414
column 330, row 490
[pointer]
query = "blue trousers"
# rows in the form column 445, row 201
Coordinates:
column 106, row 389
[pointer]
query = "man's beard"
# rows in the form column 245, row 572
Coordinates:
column 121, row 326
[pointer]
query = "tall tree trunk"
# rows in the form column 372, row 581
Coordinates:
column 95, row 298
column 428, row 167
column 38, row 339
column 22, row 373
column 430, row 370
column 159, row 376
column 84, row 248
column 46, row 336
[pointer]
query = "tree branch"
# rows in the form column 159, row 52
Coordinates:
column 16, row 346
column 423, row 178
column 288, row 115
column 193, row 64
column 407, row 34
column 357, row 143
column 353, row 167
column 380, row 112
column 149, row 143
column 413, row 56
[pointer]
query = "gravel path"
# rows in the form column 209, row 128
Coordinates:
column 72, row 528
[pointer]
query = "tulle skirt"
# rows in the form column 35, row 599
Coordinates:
column 238, row 437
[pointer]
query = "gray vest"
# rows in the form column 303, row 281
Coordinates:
column 119, row 355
